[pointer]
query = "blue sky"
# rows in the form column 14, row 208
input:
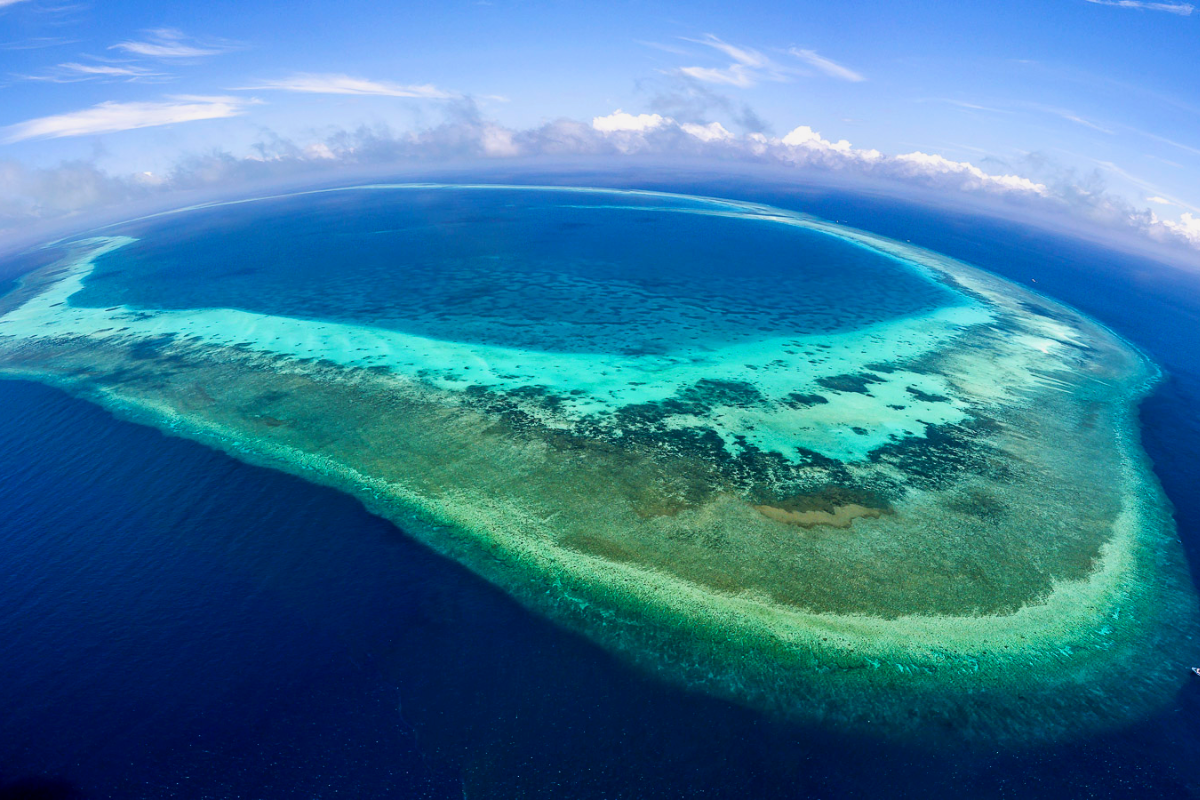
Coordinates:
column 1103, row 96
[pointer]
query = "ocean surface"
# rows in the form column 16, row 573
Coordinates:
column 573, row 272
column 176, row 623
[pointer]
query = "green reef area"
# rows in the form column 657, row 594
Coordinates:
column 939, row 524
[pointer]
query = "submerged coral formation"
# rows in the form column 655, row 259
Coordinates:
column 939, row 517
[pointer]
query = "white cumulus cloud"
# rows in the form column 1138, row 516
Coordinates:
column 933, row 164
column 1188, row 227
column 498, row 142
column 804, row 136
column 712, row 132
column 628, row 130
column 110, row 117
column 621, row 121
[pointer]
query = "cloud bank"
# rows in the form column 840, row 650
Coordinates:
column 1056, row 201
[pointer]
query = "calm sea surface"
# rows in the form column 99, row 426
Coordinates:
column 543, row 270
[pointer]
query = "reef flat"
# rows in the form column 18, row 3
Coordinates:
column 930, row 512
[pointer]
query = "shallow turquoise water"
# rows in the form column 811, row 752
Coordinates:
column 581, row 306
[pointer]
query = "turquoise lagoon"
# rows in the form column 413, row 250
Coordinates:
column 826, row 474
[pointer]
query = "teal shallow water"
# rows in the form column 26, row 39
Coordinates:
column 596, row 307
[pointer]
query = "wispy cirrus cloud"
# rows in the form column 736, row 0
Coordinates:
column 830, row 68
column 74, row 72
column 110, row 117
column 734, row 75
column 1153, row 193
column 1184, row 147
column 1069, row 116
column 749, row 66
column 312, row 83
column 964, row 104
column 1182, row 9
column 104, row 69
column 7, row 3
column 674, row 50
column 741, row 55
column 170, row 43
column 1026, row 107
column 36, row 43
column 1087, row 123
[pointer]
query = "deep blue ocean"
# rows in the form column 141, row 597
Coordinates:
column 175, row 623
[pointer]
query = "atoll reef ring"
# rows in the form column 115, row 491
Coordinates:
column 825, row 474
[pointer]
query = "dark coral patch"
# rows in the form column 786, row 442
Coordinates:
column 927, row 397
column 800, row 400
column 850, row 383
column 145, row 349
column 722, row 393
column 945, row 454
column 830, row 498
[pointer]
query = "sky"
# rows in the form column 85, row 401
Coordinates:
column 1087, row 107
